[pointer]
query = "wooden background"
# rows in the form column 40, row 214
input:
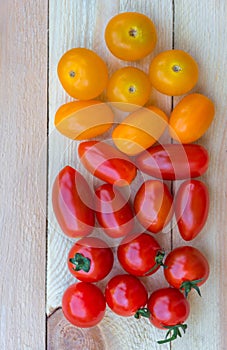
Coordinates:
column 34, row 35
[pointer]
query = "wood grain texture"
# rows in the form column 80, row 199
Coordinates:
column 23, row 104
column 75, row 23
column 200, row 29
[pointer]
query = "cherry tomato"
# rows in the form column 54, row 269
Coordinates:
column 130, row 36
column 80, row 120
column 90, row 259
column 191, row 118
column 71, row 196
column 173, row 72
column 83, row 304
column 107, row 163
column 191, row 208
column 167, row 308
column 140, row 130
column 125, row 294
column 153, row 205
column 113, row 211
column 186, row 268
column 141, row 255
column 173, row 161
column 82, row 73
column 129, row 88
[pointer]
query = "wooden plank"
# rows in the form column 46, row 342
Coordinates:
column 200, row 29
column 23, row 104
column 81, row 23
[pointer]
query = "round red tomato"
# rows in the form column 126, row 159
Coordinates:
column 129, row 88
column 174, row 161
column 71, row 197
column 83, row 304
column 82, row 73
column 173, row 72
column 153, row 205
column 191, row 208
column 186, row 268
column 113, row 211
column 90, row 259
column 141, row 255
column 167, row 308
column 125, row 294
column 130, row 36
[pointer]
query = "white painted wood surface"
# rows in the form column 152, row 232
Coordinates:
column 199, row 28
column 23, row 125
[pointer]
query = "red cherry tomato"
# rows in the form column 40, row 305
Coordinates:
column 167, row 308
column 186, row 268
column 140, row 256
column 191, row 208
column 90, row 259
column 125, row 294
column 107, row 163
column 113, row 211
column 153, row 205
column 83, row 304
column 174, row 161
column 71, row 196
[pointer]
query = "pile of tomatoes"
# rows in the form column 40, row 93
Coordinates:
column 84, row 75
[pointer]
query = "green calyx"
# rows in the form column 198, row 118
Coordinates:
column 158, row 262
column 143, row 312
column 187, row 286
column 173, row 333
column 80, row 262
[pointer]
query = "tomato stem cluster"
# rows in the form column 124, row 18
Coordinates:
column 173, row 333
column 187, row 286
column 80, row 262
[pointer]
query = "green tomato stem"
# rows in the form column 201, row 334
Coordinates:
column 80, row 262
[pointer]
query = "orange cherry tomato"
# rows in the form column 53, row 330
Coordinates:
column 140, row 130
column 191, row 118
column 80, row 120
column 173, row 72
column 130, row 36
column 129, row 87
column 82, row 73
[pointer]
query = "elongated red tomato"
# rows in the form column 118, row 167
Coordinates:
column 83, row 304
column 90, row 259
column 191, row 208
column 153, row 205
column 186, row 268
column 125, row 294
column 107, row 163
column 174, row 161
column 71, row 196
column 113, row 211
column 141, row 255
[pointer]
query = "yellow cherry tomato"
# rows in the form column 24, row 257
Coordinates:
column 129, row 87
column 140, row 130
column 173, row 72
column 130, row 36
column 80, row 120
column 82, row 73
column 191, row 118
